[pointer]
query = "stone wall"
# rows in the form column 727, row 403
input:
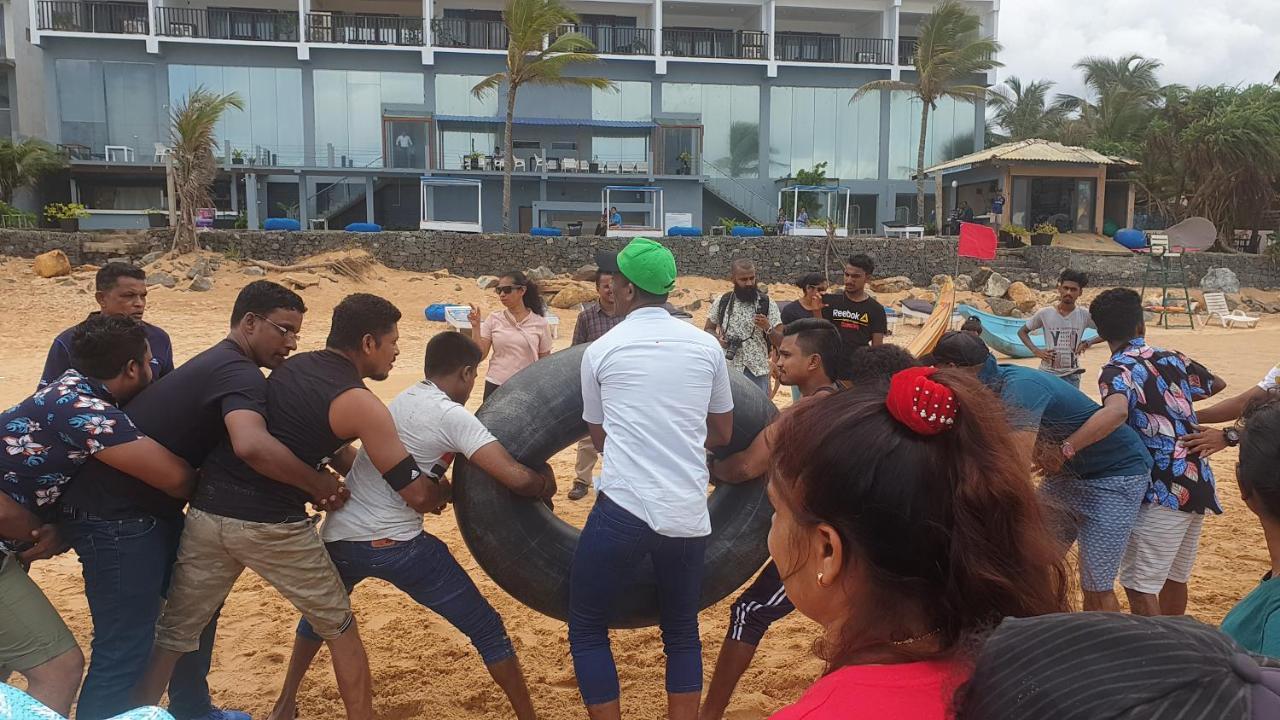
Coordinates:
column 777, row 259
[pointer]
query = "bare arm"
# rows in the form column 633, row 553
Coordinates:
column 1231, row 408
column 498, row 463
column 596, row 433
column 1025, row 336
column 484, row 343
column 260, row 450
column 719, row 429
column 361, row 414
column 16, row 522
column 153, row 464
column 1114, row 413
column 747, row 464
column 877, row 339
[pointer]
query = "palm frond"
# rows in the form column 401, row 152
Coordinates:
column 884, row 85
column 491, row 83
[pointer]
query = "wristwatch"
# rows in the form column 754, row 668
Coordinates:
column 1232, row 436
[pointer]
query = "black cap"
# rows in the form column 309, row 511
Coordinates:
column 958, row 348
column 607, row 262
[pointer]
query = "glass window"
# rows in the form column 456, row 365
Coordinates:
column 132, row 116
column 268, row 128
column 629, row 101
column 348, row 111
column 82, row 103
column 731, row 124
column 950, row 133
column 453, row 97
column 812, row 125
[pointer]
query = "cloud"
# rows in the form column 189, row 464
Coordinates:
column 1200, row 42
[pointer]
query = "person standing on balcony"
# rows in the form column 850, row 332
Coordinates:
column 747, row 324
column 121, row 290
column 518, row 336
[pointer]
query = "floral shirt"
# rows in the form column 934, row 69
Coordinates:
column 48, row 436
column 1160, row 386
column 740, row 324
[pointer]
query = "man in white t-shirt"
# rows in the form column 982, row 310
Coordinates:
column 655, row 395
column 379, row 532
column 1063, row 325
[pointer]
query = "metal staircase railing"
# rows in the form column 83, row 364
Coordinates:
column 738, row 194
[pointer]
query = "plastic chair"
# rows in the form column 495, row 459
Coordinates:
column 162, row 151
column 519, row 164
column 642, row 167
column 1216, row 304
column 612, row 168
column 569, row 165
column 628, row 167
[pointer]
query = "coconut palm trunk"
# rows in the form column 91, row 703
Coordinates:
column 509, row 166
column 924, row 135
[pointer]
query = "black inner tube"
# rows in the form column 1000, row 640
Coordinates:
column 527, row 550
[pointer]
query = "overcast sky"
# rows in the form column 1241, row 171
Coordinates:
column 1200, row 42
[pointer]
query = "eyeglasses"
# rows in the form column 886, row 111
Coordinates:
column 507, row 289
column 284, row 331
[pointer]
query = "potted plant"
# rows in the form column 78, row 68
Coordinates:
column 686, row 163
column 66, row 216
column 1012, row 235
column 237, row 157
column 1043, row 234
column 157, row 218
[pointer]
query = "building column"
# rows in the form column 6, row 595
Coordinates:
column 251, row 202
column 304, row 48
column 303, row 210
column 33, row 16
column 659, row 61
column 886, row 201
column 893, row 17
column 235, row 194
column 152, row 44
column 368, row 199
column 979, row 125
column 764, row 127
column 309, row 159
column 1133, row 199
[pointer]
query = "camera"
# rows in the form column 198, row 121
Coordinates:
column 733, row 346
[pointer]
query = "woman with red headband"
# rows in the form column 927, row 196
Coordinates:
column 905, row 525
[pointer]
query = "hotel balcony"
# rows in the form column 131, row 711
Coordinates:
column 345, row 29
column 710, row 43
column 467, row 33
column 615, row 39
column 228, row 24
column 804, row 47
column 117, row 18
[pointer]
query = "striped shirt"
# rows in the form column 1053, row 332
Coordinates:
column 593, row 322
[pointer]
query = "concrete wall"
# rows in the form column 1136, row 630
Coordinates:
column 778, row 259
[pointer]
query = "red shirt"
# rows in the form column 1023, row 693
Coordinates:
column 908, row 691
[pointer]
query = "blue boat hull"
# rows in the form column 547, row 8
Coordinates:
column 1001, row 333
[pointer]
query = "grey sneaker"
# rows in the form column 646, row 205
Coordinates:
column 578, row 491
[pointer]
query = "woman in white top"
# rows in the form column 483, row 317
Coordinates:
column 518, row 336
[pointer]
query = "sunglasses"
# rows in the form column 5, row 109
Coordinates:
column 507, row 289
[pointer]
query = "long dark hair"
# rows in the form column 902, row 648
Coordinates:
column 948, row 526
column 532, row 294
column 1259, row 469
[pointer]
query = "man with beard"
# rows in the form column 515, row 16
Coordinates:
column 859, row 318
column 317, row 404
column 125, row 527
column 747, row 323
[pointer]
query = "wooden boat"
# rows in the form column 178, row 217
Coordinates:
column 939, row 322
column 1001, row 333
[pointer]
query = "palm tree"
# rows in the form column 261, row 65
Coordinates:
column 22, row 164
column 1123, row 90
column 193, row 122
column 949, row 56
column 1024, row 111
column 538, row 53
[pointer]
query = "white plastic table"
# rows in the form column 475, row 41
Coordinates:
column 110, row 151
column 904, row 232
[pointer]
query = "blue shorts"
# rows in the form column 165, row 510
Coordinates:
column 1100, row 513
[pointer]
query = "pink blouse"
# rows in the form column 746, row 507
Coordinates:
column 909, row 691
column 516, row 344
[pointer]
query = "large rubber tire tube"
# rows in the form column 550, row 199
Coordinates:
column 527, row 550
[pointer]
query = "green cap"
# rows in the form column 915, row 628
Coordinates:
column 649, row 265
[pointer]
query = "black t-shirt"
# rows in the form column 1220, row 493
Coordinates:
column 299, row 394
column 182, row 411
column 856, row 321
column 793, row 311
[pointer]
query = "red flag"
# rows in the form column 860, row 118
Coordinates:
column 977, row 241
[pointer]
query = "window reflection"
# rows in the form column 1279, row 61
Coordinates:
column 349, row 112
column 812, row 125
column 268, row 131
column 950, row 133
column 731, row 124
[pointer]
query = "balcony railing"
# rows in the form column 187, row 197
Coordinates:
column 800, row 47
column 92, row 17
column 907, row 51
column 615, row 40
column 228, row 24
column 364, row 29
column 708, row 43
column 475, row 34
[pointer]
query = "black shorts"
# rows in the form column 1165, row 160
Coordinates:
column 758, row 607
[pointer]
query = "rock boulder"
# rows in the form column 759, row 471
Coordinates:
column 487, row 282
column 997, row 285
column 897, row 283
column 161, row 278
column 1220, row 280
column 978, row 282
column 1023, row 297
column 1001, row 306
column 201, row 284
column 573, row 295
column 52, row 264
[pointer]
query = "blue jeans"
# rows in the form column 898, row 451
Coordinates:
column 425, row 569
column 126, row 566
column 761, row 381
column 612, row 544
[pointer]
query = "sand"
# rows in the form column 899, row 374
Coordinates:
column 422, row 667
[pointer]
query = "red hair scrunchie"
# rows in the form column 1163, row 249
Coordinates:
column 925, row 406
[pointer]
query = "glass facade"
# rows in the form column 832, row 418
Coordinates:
column 812, row 125
column 630, row 101
column 108, row 103
column 269, row 128
column 950, row 133
column 730, row 120
column 348, row 110
column 453, row 97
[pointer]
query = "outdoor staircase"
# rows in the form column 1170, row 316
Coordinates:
column 1011, row 263
column 738, row 195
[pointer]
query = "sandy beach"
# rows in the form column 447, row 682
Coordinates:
column 422, row 667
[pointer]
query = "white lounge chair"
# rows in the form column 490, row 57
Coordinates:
column 612, row 168
column 642, row 167
column 569, row 165
column 628, row 167
column 1216, row 304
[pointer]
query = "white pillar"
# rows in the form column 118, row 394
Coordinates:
column 894, row 16
column 152, row 44
column 33, row 21
column 304, row 47
column 660, row 62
